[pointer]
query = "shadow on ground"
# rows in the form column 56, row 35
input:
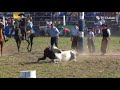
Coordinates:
column 35, row 62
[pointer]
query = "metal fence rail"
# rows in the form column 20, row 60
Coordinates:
column 40, row 18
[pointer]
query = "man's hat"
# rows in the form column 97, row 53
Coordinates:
column 76, row 24
column 52, row 24
column 90, row 28
column 1, row 17
column 21, row 14
column 104, row 25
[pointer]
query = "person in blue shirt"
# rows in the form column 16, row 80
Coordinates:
column 74, row 37
column 29, row 30
column 30, row 34
column 54, row 33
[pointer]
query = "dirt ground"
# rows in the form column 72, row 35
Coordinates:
column 86, row 66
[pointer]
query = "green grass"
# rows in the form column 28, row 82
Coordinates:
column 86, row 66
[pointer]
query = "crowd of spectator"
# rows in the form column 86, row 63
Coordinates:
column 42, row 18
column 71, row 17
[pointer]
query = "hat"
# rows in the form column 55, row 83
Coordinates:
column 52, row 24
column 76, row 24
column 1, row 17
column 104, row 25
column 21, row 14
column 90, row 28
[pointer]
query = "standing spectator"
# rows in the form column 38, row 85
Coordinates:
column 12, row 23
column 54, row 33
column 48, row 23
column 42, row 32
column 29, row 29
column 68, row 16
column 103, row 20
column 74, row 37
column 117, row 16
column 3, row 31
column 48, row 31
column 7, row 30
column 98, row 32
column 74, row 15
column 106, row 37
column 90, row 40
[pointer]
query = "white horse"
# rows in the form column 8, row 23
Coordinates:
column 58, row 55
column 66, row 55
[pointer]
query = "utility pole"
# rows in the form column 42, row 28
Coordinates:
column 81, row 29
column 64, row 22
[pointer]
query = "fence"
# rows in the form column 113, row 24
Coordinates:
column 40, row 18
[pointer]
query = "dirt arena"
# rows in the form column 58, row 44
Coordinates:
column 86, row 66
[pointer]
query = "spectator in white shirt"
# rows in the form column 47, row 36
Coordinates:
column 90, row 40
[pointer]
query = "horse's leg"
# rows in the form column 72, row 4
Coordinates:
column 22, row 32
column 31, row 41
column 43, row 58
column 25, row 34
column 28, row 44
column 17, row 42
column 1, row 47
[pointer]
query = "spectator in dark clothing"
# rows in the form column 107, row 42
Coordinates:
column 42, row 32
column 106, row 37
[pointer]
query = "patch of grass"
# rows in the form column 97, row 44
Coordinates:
column 89, row 66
